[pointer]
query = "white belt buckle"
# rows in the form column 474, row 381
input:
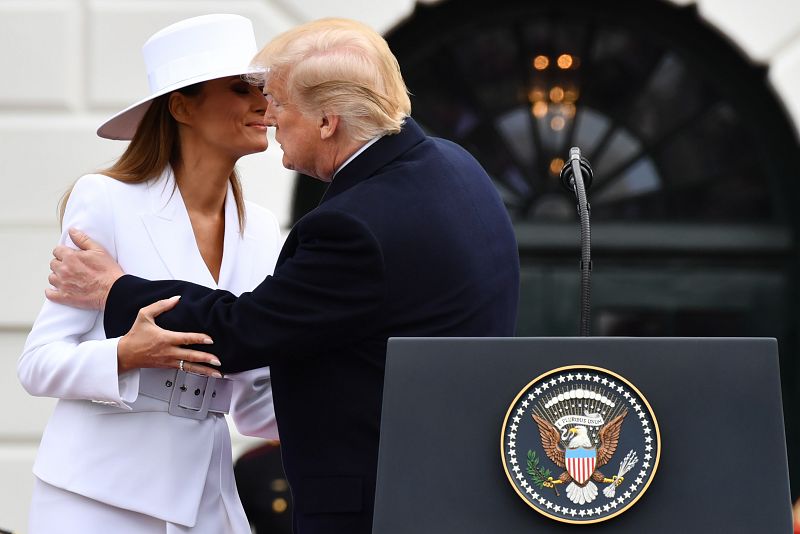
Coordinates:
column 174, row 399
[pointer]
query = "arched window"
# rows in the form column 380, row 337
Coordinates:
column 677, row 125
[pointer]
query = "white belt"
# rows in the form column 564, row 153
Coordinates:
column 187, row 394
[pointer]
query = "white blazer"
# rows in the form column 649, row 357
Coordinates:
column 104, row 441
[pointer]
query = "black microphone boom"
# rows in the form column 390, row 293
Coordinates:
column 576, row 176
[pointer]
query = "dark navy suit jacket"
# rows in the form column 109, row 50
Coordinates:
column 410, row 239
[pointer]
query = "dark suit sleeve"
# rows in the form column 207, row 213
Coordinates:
column 325, row 295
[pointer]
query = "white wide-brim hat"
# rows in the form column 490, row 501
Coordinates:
column 188, row 52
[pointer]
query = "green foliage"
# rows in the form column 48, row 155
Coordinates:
column 538, row 474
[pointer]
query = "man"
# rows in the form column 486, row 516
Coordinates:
column 410, row 239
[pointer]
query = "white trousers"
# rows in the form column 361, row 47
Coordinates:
column 58, row 511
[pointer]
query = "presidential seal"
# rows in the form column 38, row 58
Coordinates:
column 580, row 444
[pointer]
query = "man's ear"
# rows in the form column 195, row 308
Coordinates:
column 327, row 125
column 179, row 108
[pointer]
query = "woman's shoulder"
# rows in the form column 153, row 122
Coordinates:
column 90, row 181
column 89, row 189
column 105, row 181
column 102, row 182
column 97, row 186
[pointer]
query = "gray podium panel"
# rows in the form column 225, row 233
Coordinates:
column 723, row 461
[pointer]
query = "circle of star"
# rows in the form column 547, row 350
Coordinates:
column 639, row 476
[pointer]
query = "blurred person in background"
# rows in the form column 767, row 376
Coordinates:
column 264, row 490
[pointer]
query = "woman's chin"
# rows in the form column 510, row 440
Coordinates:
column 258, row 147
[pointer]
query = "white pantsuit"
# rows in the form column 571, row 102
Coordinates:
column 109, row 452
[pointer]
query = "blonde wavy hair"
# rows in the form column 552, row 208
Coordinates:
column 342, row 67
column 154, row 146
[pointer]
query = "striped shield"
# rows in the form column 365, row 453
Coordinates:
column 580, row 463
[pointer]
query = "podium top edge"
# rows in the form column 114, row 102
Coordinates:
column 604, row 339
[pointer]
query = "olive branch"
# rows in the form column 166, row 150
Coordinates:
column 537, row 473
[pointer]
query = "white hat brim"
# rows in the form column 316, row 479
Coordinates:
column 122, row 126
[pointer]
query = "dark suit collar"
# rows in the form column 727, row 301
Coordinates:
column 381, row 153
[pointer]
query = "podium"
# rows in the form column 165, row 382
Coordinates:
column 717, row 402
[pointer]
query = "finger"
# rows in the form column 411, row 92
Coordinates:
column 53, row 279
column 160, row 306
column 201, row 370
column 194, row 356
column 53, row 295
column 60, row 251
column 187, row 338
column 83, row 241
column 55, row 264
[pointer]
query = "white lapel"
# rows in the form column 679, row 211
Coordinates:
column 230, row 249
column 171, row 233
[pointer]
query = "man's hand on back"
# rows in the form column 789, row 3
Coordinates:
column 82, row 278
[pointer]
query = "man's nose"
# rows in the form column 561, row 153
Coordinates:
column 269, row 117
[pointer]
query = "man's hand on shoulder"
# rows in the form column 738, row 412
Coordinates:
column 82, row 278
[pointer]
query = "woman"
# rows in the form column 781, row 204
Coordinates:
column 131, row 448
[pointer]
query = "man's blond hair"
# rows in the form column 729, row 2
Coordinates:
column 341, row 67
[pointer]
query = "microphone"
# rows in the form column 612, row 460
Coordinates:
column 576, row 176
column 568, row 170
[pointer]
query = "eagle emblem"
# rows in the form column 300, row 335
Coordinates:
column 580, row 444
column 581, row 458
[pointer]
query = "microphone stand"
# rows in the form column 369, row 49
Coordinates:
column 575, row 182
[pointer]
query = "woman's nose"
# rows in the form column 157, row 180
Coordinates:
column 260, row 104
